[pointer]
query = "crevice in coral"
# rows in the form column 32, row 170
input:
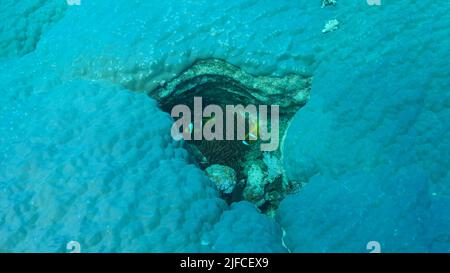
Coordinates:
column 240, row 170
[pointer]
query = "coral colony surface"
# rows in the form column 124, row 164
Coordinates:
column 347, row 149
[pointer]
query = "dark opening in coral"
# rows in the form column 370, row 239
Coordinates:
column 259, row 176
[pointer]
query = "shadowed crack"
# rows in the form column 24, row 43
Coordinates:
column 260, row 175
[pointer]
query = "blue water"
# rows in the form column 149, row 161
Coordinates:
column 86, row 155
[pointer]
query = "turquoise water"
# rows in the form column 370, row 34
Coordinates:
column 87, row 156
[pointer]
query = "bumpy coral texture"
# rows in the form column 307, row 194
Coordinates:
column 109, row 176
column 24, row 23
column 85, row 157
column 374, row 140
